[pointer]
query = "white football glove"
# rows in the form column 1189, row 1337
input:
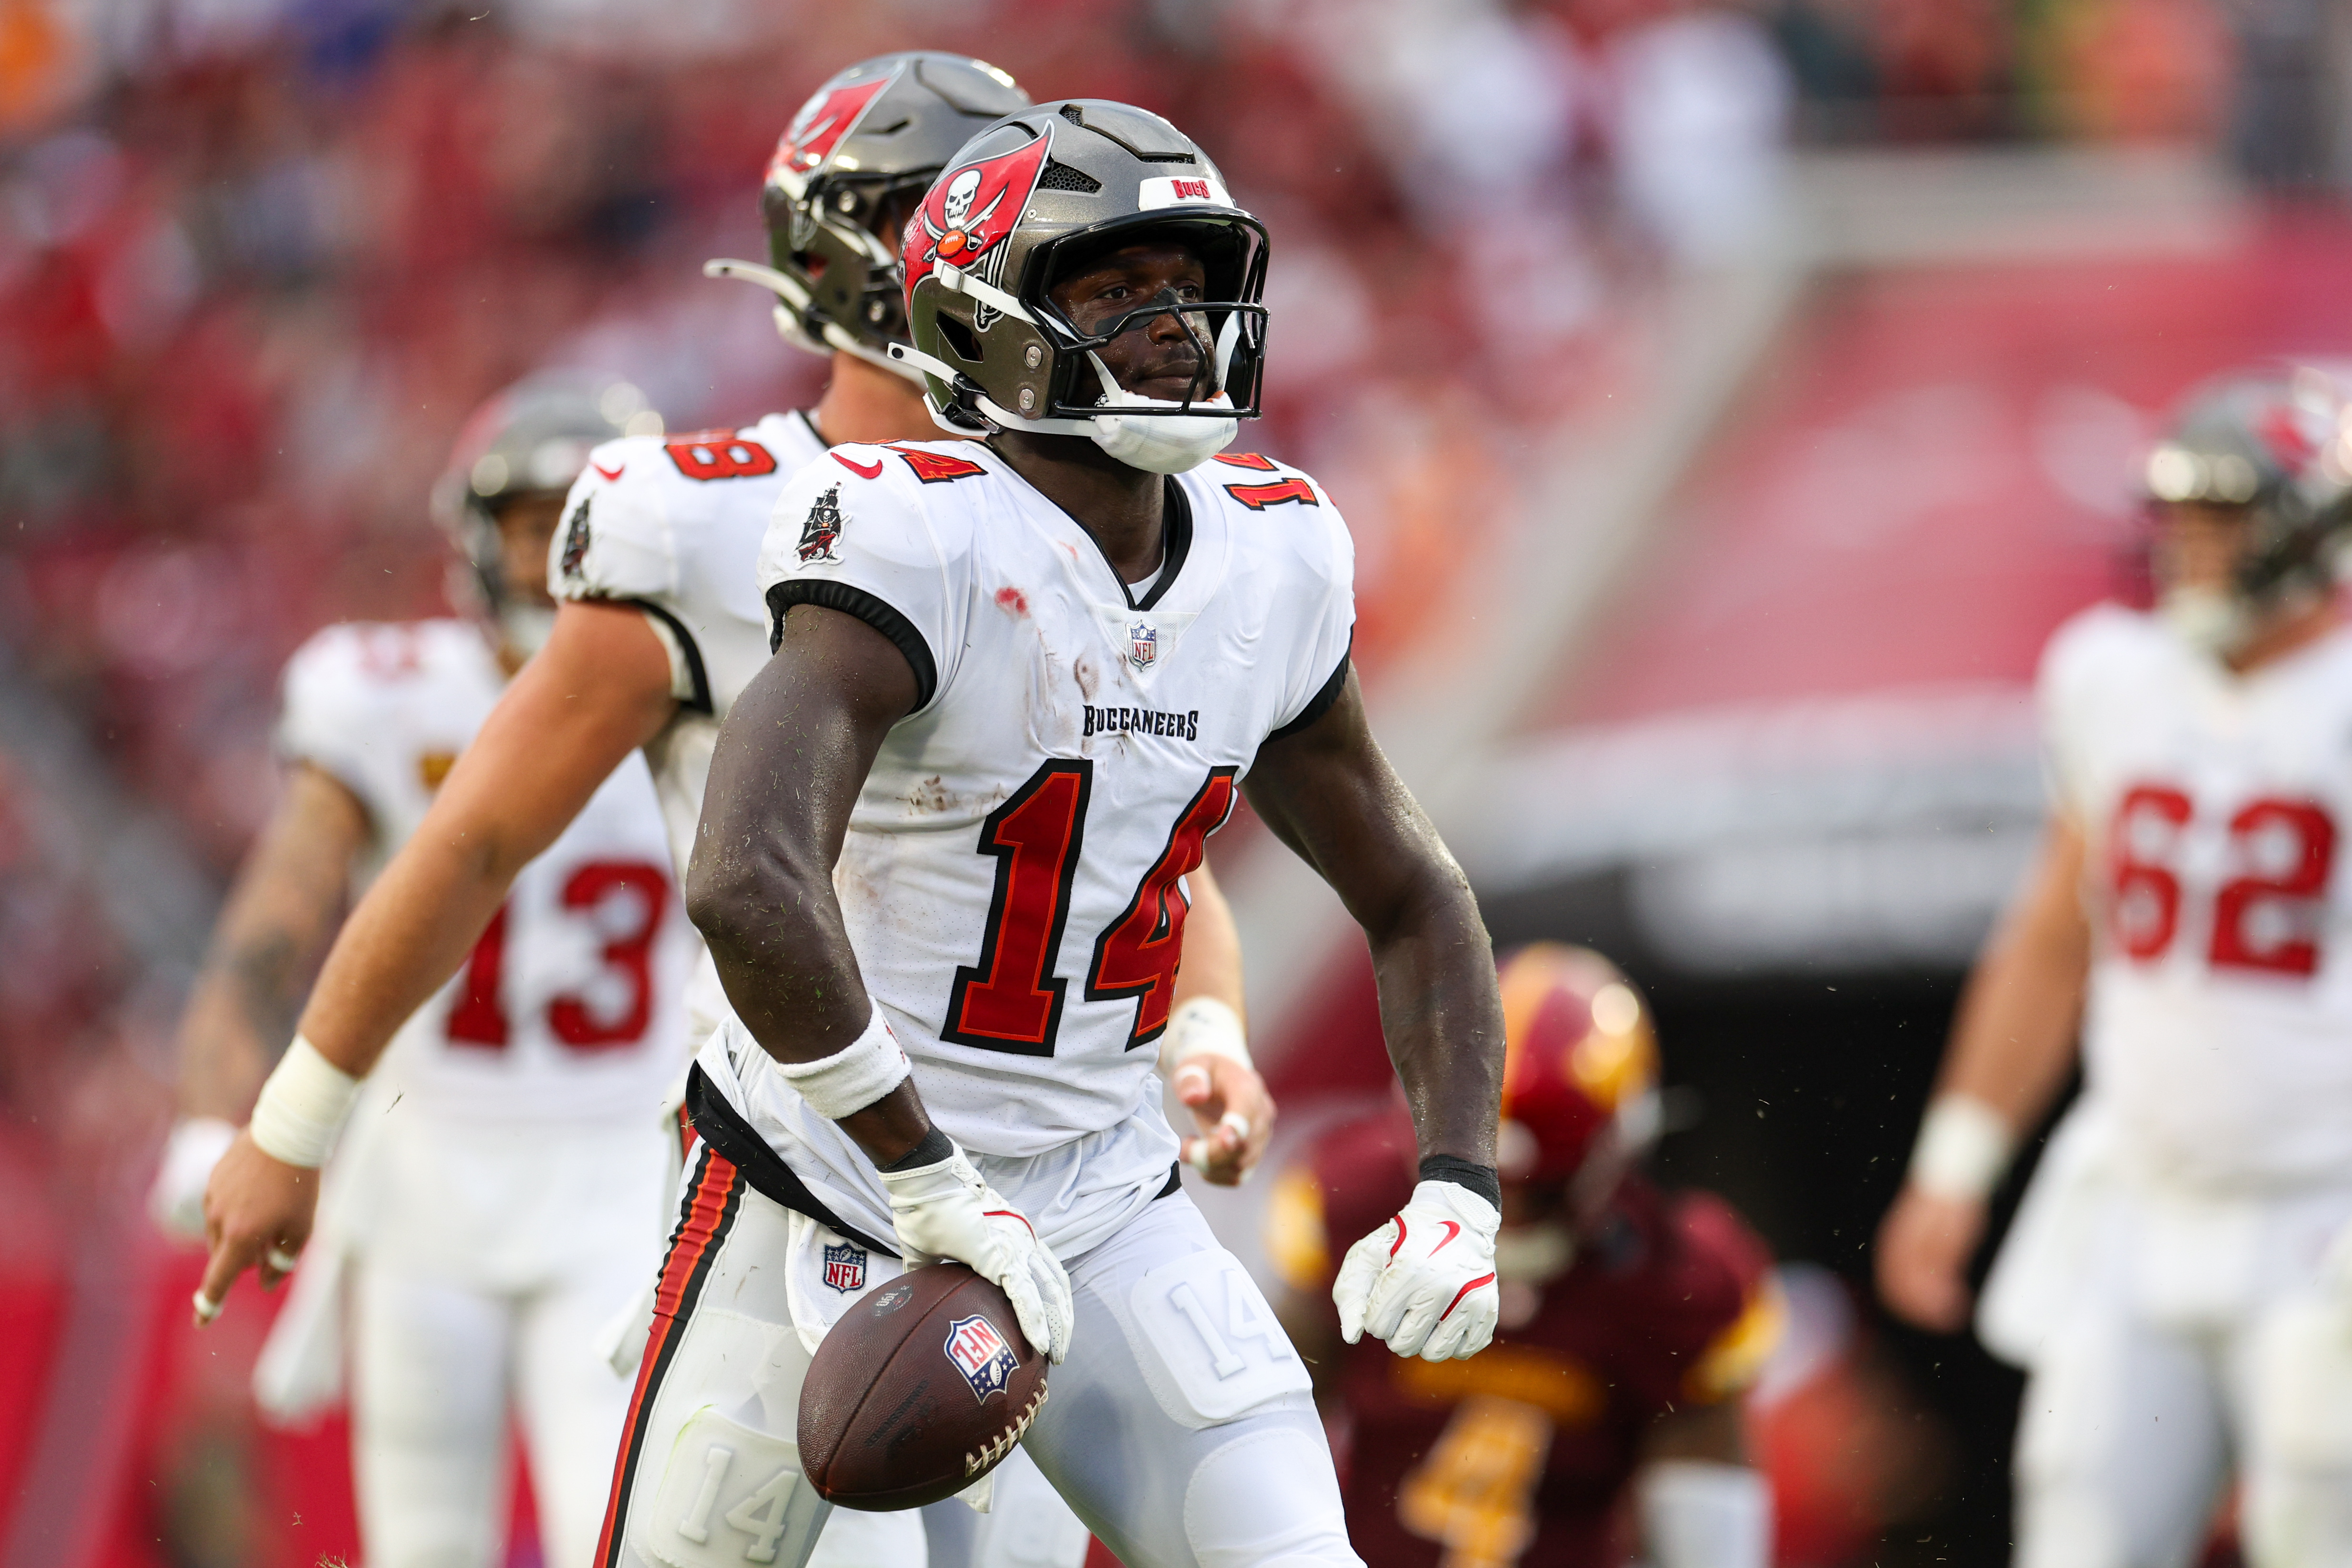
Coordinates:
column 176, row 1202
column 1426, row 1281
column 946, row 1210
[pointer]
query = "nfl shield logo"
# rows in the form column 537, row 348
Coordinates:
column 980, row 1353
column 844, row 1268
column 1142, row 643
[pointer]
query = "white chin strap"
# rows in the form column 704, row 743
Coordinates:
column 794, row 304
column 2210, row 621
column 526, row 627
column 1157, row 443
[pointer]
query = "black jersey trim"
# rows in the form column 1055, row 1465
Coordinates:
column 1320, row 702
column 875, row 612
column 1178, row 517
column 700, row 701
column 724, row 1129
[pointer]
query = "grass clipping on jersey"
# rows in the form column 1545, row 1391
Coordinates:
column 918, row 1391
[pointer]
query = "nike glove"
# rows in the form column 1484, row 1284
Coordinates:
column 1426, row 1281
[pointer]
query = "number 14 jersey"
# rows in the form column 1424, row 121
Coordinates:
column 1010, row 881
column 2218, row 1024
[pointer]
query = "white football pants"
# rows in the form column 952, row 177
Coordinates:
column 491, row 1262
column 1180, row 1430
column 2196, row 1332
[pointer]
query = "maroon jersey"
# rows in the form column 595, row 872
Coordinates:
column 1522, row 1452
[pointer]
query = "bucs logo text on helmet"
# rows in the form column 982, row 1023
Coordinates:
column 1581, row 1060
column 2277, row 442
column 866, row 145
column 1045, row 189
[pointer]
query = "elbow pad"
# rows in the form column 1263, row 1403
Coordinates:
column 1700, row 1514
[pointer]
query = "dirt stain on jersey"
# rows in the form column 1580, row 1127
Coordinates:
column 1013, row 602
column 929, row 796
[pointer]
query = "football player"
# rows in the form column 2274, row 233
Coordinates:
column 1017, row 684
column 505, row 1197
column 2164, row 1282
column 1632, row 1320
column 660, row 627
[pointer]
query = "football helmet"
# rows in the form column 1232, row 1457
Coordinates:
column 1028, row 198
column 2277, row 442
column 1580, row 1060
column 533, row 439
column 863, row 146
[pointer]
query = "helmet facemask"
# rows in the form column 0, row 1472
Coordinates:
column 1022, row 205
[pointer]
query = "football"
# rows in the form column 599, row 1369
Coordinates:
column 918, row 1391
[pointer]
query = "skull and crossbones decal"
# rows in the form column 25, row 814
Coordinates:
column 964, row 235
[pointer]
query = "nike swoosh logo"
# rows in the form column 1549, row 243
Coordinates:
column 1452, row 1230
column 608, row 474
column 860, row 469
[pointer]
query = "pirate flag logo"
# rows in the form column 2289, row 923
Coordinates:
column 819, row 128
column 970, row 210
column 822, row 526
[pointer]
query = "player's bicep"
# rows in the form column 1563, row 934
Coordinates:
column 597, row 691
column 793, row 755
column 2049, row 915
column 1328, row 792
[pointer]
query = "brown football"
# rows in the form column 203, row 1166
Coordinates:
column 918, row 1391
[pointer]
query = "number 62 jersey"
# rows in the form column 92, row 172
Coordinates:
column 570, row 1007
column 2214, row 806
column 1011, row 878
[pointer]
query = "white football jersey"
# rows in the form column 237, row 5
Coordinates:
column 672, row 523
column 2219, row 1026
column 1011, row 877
column 571, row 1006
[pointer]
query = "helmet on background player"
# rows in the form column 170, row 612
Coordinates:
column 864, row 147
column 2276, row 443
column 1580, row 1092
column 530, row 440
column 1016, row 210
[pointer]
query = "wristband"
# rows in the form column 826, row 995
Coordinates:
column 1964, row 1147
column 302, row 1107
column 853, row 1077
column 1468, row 1175
column 1206, row 1027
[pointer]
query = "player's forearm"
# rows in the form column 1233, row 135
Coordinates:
column 2012, row 1040
column 1435, row 971
column 409, row 935
column 1212, row 947
column 277, row 920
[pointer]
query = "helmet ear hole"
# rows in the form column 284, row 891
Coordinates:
column 959, row 340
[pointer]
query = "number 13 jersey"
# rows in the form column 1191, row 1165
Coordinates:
column 1010, row 881
column 570, row 1007
column 2218, row 1024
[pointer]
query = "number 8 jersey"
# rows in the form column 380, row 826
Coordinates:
column 2219, row 1025
column 1011, row 878
column 570, row 1007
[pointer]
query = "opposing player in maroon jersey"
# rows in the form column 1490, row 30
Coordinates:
column 1632, row 1322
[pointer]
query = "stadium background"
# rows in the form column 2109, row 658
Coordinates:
column 1727, row 400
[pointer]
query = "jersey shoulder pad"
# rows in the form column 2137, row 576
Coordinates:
column 619, row 538
column 1279, row 511
column 858, row 503
column 1728, row 1271
column 343, row 686
column 2093, row 641
column 1346, row 1184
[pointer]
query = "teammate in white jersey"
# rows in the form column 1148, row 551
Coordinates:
column 941, row 863
column 2169, row 1281
column 505, row 1198
column 660, row 628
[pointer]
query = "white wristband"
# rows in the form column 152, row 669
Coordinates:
column 853, row 1077
column 1205, row 1027
column 1964, row 1147
column 302, row 1107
